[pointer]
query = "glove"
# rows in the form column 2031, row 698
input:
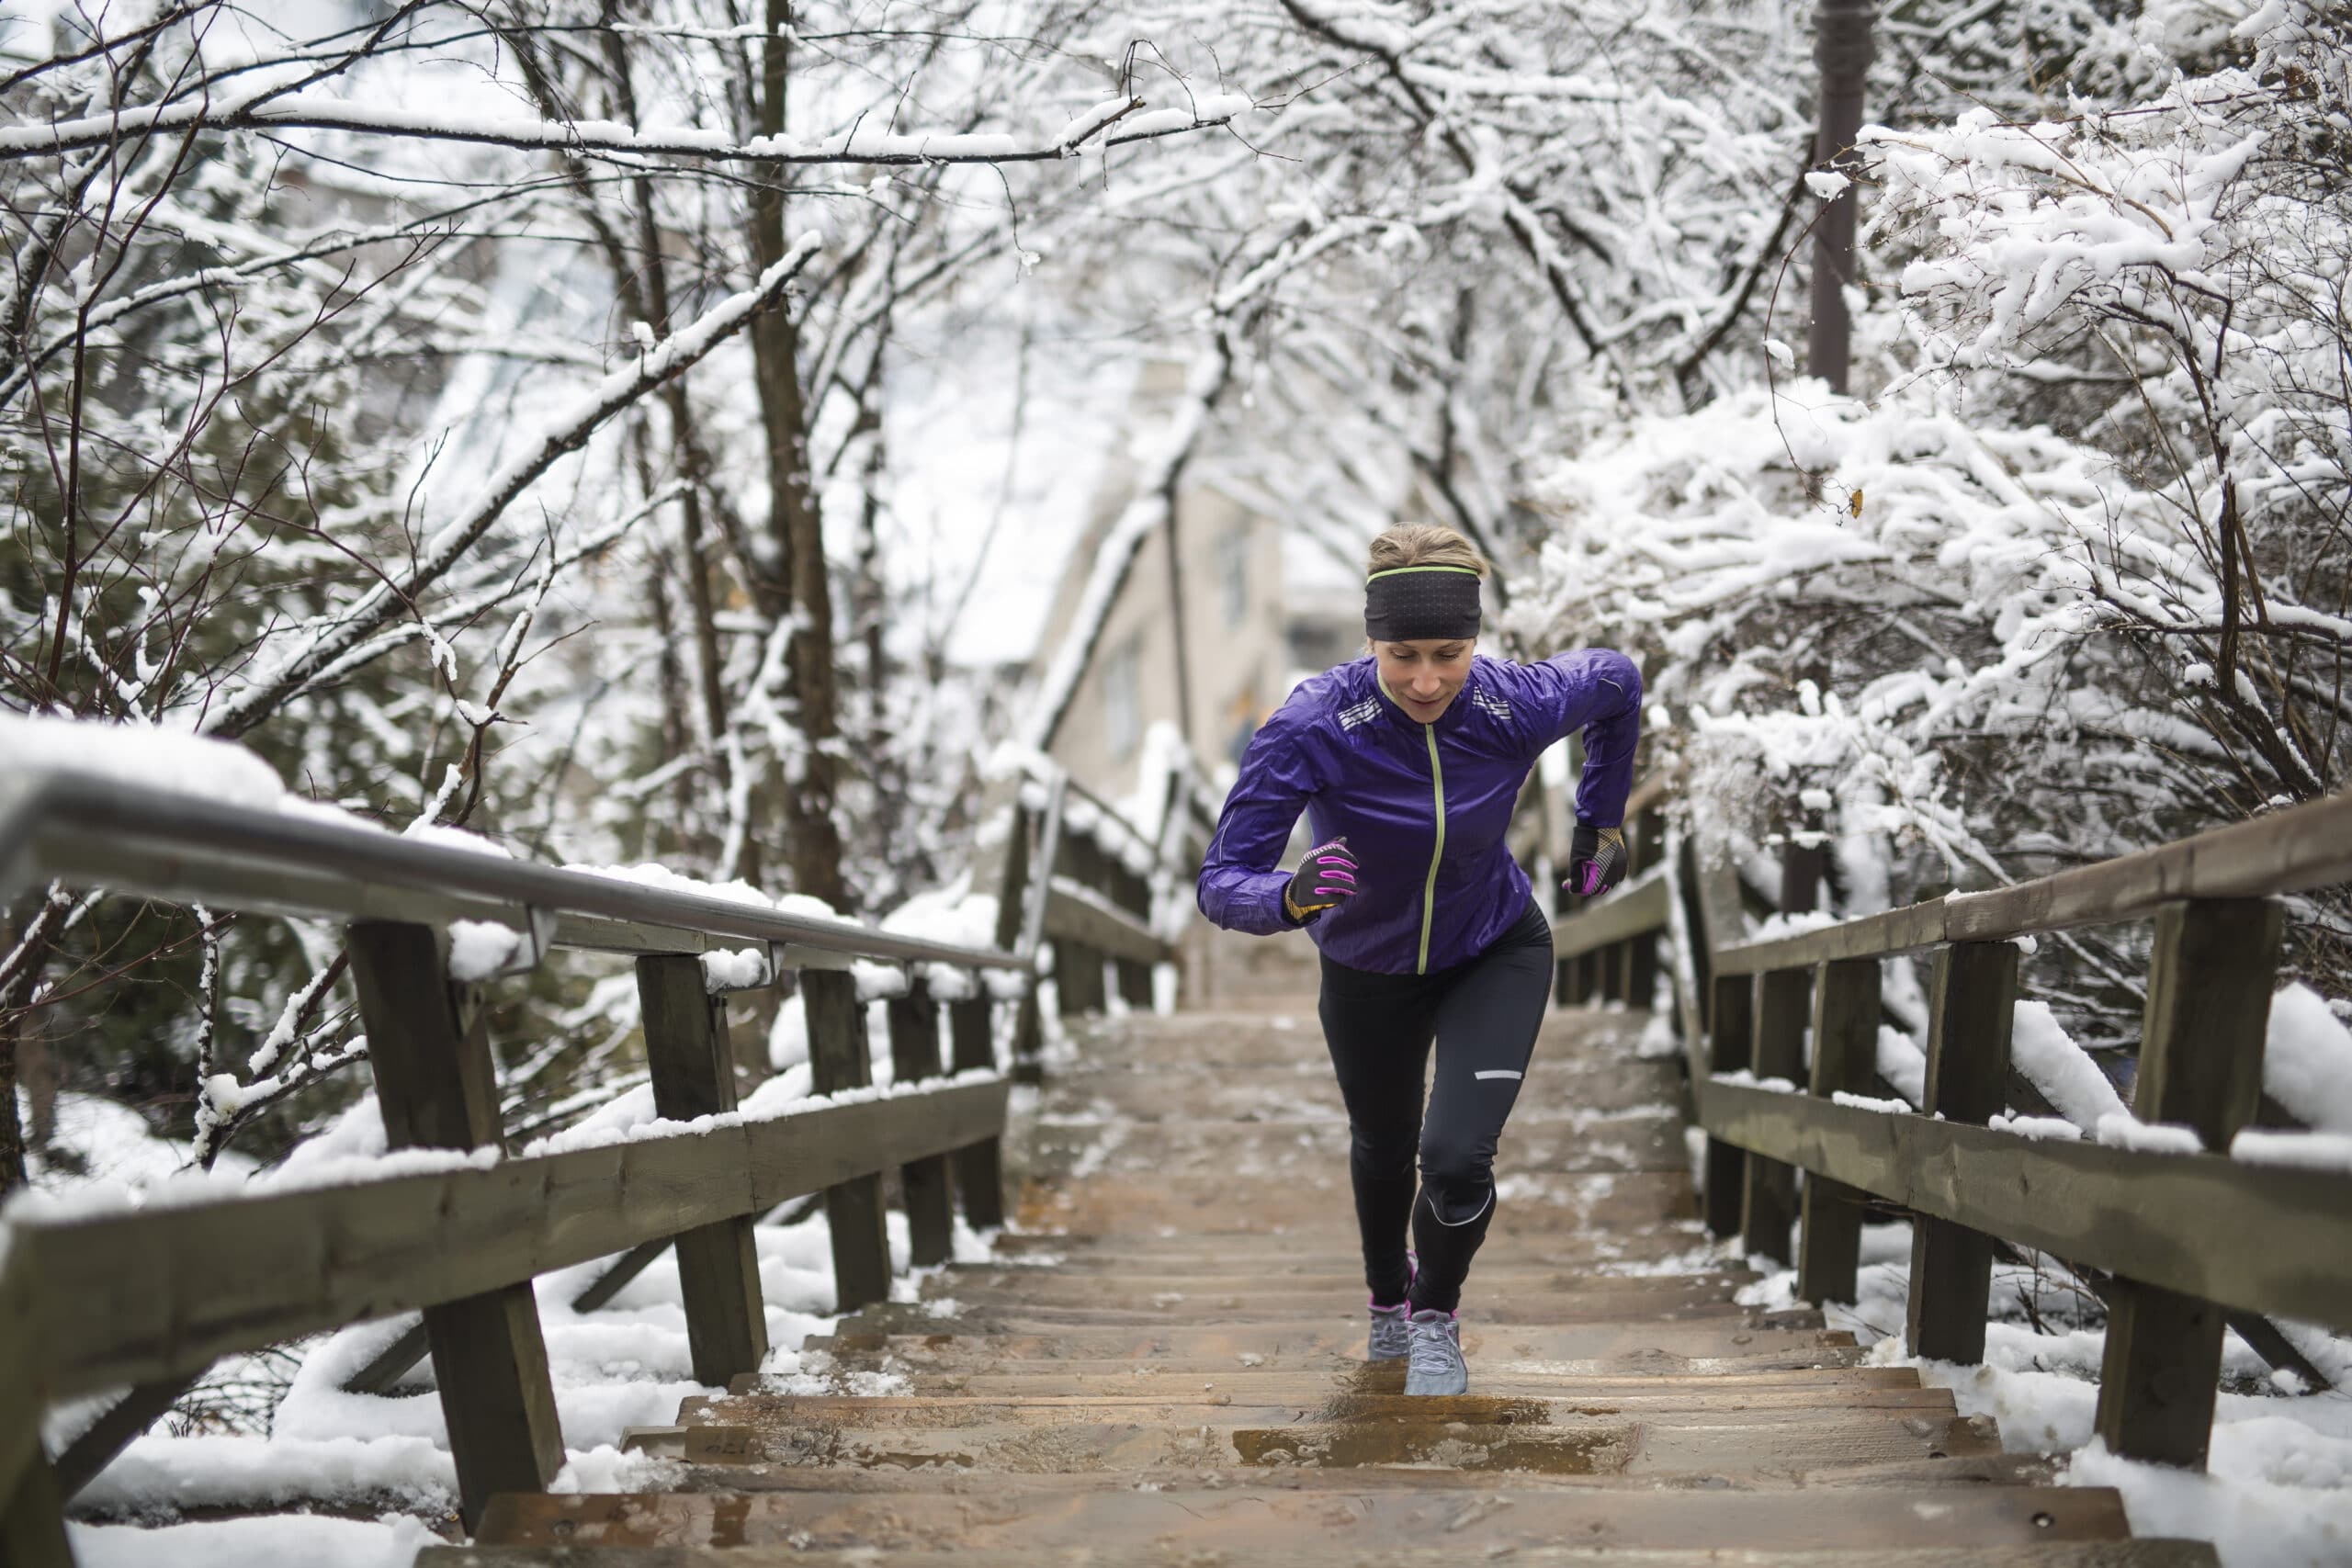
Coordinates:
column 1596, row 860
column 1325, row 878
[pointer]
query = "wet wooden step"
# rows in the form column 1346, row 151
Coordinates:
column 1502, row 1350
column 1015, row 1378
column 1659, row 1446
column 1500, row 1346
column 1209, row 1426
column 1371, row 1402
column 1279, row 1523
column 2050, row 1554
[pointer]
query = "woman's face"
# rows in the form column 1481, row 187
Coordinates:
column 1425, row 676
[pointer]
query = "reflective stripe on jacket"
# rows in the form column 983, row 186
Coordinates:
column 1425, row 807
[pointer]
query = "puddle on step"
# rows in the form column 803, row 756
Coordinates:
column 1449, row 1444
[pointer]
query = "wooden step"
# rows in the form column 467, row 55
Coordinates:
column 1635, row 1347
column 1114, row 1305
column 1274, row 1524
column 1965, row 1473
column 1015, row 1378
column 1473, row 1434
column 1648, row 1141
column 1675, row 1247
column 1502, row 1272
column 2050, row 1555
column 1540, row 1205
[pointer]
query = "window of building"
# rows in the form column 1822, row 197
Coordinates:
column 1122, row 699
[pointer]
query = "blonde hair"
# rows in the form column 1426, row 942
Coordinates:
column 1423, row 544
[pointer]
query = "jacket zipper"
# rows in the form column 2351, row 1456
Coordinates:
column 1428, row 888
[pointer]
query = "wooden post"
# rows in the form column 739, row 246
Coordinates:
column 1135, row 983
column 838, row 1059
column 32, row 1517
column 438, row 1089
column 1731, row 1042
column 2200, row 1062
column 1845, row 1056
column 930, row 1196
column 980, row 1167
column 1769, row 1199
column 1641, row 970
column 1078, row 978
column 1972, row 1003
column 693, row 1071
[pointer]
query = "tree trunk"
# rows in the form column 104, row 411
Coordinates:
column 812, row 837
column 12, row 1132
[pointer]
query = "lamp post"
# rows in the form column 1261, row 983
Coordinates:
column 1842, row 49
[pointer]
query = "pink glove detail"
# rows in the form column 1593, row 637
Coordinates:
column 1327, row 876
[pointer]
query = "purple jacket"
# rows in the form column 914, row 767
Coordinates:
column 1424, row 806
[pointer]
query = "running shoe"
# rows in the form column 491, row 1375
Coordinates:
column 1392, row 1333
column 1435, row 1365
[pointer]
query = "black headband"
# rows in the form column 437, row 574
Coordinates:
column 1406, row 604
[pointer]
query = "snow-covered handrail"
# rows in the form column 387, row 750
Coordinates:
column 89, row 830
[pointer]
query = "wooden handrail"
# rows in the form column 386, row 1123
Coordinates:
column 151, row 1297
column 142, row 1293
column 2161, row 1234
column 2266, row 1238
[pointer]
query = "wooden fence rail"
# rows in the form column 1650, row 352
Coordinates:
column 151, row 1296
column 2179, row 1245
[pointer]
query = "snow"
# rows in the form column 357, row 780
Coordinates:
column 291, row 1541
column 2049, row 1059
column 2126, row 1132
column 742, row 969
column 2307, row 1060
column 2050, row 1129
column 1866, row 1102
column 2313, row 1151
column 142, row 754
column 480, row 950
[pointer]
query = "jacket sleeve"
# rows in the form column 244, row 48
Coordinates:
column 1241, row 887
column 1599, row 691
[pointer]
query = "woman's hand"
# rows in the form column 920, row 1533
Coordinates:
column 1596, row 860
column 1327, row 876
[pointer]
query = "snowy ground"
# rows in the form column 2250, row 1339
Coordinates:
column 2278, row 1490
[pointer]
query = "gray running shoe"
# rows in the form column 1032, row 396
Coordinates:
column 1436, row 1364
column 1392, row 1332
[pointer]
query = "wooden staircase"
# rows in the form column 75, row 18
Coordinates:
column 1165, row 1367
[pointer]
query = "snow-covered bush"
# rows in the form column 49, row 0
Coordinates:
column 2074, row 579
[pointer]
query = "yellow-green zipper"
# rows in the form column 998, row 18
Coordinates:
column 1428, row 888
column 1437, row 791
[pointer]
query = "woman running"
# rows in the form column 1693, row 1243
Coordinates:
column 1409, row 762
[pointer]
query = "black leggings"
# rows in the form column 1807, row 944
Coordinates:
column 1483, row 1014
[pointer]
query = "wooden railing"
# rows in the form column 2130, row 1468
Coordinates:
column 146, row 1298
column 2178, row 1244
